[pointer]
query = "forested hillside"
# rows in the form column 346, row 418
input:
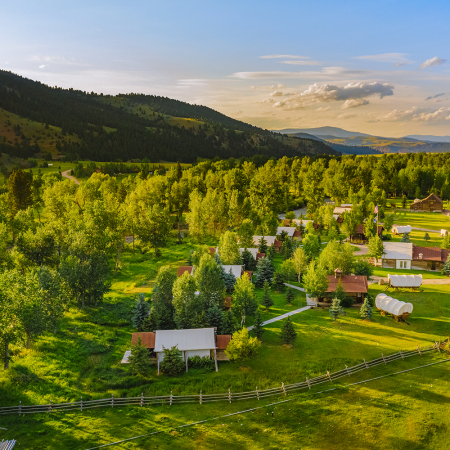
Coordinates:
column 124, row 127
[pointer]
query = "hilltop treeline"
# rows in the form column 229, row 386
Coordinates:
column 132, row 135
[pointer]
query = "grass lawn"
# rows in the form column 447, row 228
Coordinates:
column 417, row 237
column 431, row 221
column 379, row 272
column 83, row 359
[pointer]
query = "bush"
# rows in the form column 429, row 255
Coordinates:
column 362, row 267
column 197, row 362
column 347, row 302
column 386, row 237
column 172, row 363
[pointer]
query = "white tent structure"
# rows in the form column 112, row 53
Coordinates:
column 444, row 232
column 270, row 240
column 405, row 281
column 401, row 229
column 235, row 269
column 253, row 251
column 388, row 305
column 288, row 230
column 193, row 342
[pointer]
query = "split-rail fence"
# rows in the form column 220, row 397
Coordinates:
column 283, row 389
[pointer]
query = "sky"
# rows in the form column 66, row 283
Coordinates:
column 377, row 67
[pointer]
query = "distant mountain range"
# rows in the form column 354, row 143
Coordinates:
column 361, row 143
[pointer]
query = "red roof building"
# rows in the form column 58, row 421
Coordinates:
column 183, row 269
column 147, row 339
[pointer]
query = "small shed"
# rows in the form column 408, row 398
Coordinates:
column 405, row 281
column 354, row 286
column 288, row 230
column 253, row 251
column 401, row 229
column 391, row 306
column 192, row 342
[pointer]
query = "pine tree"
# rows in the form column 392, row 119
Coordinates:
column 266, row 300
column 446, row 242
column 229, row 323
column 336, row 308
column 446, row 268
column 426, row 237
column 200, row 320
column 264, row 271
column 150, row 323
column 215, row 317
column 290, row 296
column 19, row 191
column 288, row 334
column 271, row 252
column 405, row 238
column 258, row 329
column 286, row 249
column 173, row 363
column 140, row 312
column 139, row 360
column 278, row 281
column 248, row 261
column 262, row 248
column 366, row 311
column 229, row 279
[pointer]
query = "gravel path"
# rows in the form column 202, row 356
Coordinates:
column 275, row 319
column 65, row 174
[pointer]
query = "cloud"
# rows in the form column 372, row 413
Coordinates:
column 308, row 62
column 399, row 59
column 284, row 56
column 432, row 62
column 354, row 103
column 416, row 114
column 435, row 96
column 41, row 66
column 346, row 116
column 322, row 108
column 353, row 94
column 326, row 72
column 193, row 82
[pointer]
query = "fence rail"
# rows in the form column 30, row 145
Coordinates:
column 229, row 396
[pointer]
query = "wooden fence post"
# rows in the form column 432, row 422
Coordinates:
column 229, row 395
column 438, row 346
column 112, row 400
column 257, row 393
column 329, row 376
column 347, row 370
column 282, row 387
column 418, row 349
column 308, row 383
column 142, row 399
column 367, row 365
column 81, row 404
column 401, row 354
column 383, row 359
column 50, row 407
column 171, row 398
column 20, row 408
column 200, row 397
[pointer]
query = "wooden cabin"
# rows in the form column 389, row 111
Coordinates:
column 430, row 204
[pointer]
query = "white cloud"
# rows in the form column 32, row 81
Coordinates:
column 354, row 103
column 322, row 108
column 193, row 82
column 325, row 73
column 41, row 66
column 284, row 56
column 276, row 94
column 432, row 62
column 415, row 114
column 399, row 59
column 346, row 116
column 353, row 94
column 308, row 62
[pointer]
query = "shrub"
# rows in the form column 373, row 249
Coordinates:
column 278, row 281
column 139, row 360
column 242, row 346
column 347, row 302
column 173, row 363
column 197, row 362
column 362, row 267
column 258, row 329
column 288, row 334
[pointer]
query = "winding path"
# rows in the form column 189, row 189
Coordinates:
column 65, row 174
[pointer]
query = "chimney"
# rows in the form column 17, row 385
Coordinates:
column 337, row 273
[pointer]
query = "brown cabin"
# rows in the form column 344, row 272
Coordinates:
column 222, row 341
column 428, row 258
column 183, row 269
column 431, row 203
column 354, row 286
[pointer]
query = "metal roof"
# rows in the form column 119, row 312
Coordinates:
column 269, row 239
column 147, row 339
column 253, row 251
column 236, row 270
column 195, row 339
column 398, row 250
column 288, row 230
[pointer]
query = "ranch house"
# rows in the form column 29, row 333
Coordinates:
column 430, row 204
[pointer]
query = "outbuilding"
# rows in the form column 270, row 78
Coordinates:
column 193, row 342
column 401, row 229
column 431, row 204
